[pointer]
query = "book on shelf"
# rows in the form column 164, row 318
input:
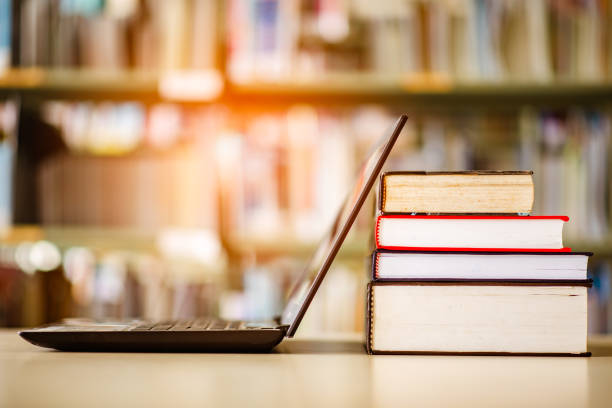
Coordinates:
column 569, row 151
column 420, row 41
column 9, row 116
column 491, row 266
column 148, row 35
column 470, row 232
column 489, row 192
column 5, row 34
column 172, row 182
column 600, row 302
column 477, row 318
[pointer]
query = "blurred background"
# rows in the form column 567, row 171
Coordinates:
column 171, row 159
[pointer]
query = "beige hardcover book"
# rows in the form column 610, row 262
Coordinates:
column 477, row 318
column 481, row 192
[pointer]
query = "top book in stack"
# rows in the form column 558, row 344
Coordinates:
column 468, row 192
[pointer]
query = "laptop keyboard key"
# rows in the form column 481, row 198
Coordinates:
column 162, row 326
column 218, row 325
column 182, row 325
column 236, row 325
column 142, row 327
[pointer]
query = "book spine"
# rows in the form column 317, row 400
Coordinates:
column 377, row 232
column 375, row 259
column 369, row 322
column 382, row 194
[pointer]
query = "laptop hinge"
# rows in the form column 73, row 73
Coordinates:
column 277, row 320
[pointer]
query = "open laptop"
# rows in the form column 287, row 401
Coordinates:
column 214, row 335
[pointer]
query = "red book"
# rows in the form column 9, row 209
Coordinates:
column 471, row 233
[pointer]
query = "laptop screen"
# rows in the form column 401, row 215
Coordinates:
column 306, row 286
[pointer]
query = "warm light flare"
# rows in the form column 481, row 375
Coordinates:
column 200, row 85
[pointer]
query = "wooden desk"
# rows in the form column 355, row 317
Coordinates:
column 300, row 373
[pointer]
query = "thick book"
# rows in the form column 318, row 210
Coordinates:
column 536, row 318
column 491, row 266
column 470, row 233
column 464, row 192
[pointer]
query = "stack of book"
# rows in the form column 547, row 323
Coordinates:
column 460, row 267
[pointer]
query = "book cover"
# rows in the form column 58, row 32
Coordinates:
column 505, row 270
column 483, row 344
column 434, row 233
column 484, row 192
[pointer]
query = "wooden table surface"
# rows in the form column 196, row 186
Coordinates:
column 333, row 372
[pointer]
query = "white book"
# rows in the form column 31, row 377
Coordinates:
column 457, row 317
column 529, row 233
column 422, row 265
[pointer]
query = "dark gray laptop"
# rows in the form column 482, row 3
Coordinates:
column 214, row 335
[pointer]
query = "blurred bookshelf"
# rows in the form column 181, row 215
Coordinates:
column 97, row 238
column 356, row 246
column 117, row 85
column 130, row 130
column 422, row 94
column 345, row 88
column 77, row 80
column 103, row 239
column 79, row 83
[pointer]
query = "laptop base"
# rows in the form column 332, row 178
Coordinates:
column 160, row 338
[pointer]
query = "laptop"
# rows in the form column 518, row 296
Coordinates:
column 215, row 335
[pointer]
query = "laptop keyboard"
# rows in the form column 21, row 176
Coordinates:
column 197, row 324
column 200, row 324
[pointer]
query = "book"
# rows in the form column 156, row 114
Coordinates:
column 488, row 192
column 5, row 34
column 9, row 117
column 471, row 233
column 477, row 318
column 490, row 266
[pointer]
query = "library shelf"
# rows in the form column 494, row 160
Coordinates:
column 422, row 93
column 100, row 238
column 356, row 245
column 136, row 239
column 414, row 91
column 79, row 84
column 95, row 238
column 600, row 249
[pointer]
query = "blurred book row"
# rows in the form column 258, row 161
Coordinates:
column 39, row 284
column 145, row 35
column 8, row 126
column 418, row 40
column 185, row 279
column 192, row 178
column 104, row 185
column 600, row 302
column 284, row 172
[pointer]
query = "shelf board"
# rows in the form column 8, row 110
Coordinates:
column 599, row 248
column 422, row 91
column 97, row 238
column 117, row 238
column 103, row 239
column 77, row 83
column 356, row 245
